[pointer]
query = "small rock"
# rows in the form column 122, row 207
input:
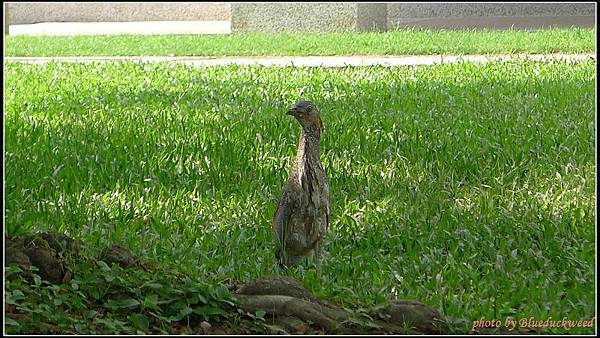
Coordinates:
column 420, row 316
column 45, row 260
column 119, row 255
column 16, row 256
column 17, row 242
column 60, row 242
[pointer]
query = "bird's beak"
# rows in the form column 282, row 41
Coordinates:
column 292, row 111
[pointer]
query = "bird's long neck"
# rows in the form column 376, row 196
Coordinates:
column 308, row 157
column 309, row 145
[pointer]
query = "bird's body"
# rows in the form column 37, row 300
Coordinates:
column 302, row 214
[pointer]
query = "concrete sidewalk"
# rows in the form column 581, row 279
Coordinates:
column 312, row 61
column 120, row 28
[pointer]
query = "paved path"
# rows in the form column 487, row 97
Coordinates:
column 311, row 61
column 115, row 28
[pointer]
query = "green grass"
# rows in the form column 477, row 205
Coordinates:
column 470, row 187
column 393, row 42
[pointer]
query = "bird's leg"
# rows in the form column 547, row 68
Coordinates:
column 318, row 257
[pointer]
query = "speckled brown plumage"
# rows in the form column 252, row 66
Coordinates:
column 303, row 211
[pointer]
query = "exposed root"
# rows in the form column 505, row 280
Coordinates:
column 286, row 302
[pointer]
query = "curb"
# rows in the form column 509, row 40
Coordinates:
column 312, row 61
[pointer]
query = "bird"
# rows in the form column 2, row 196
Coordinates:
column 302, row 216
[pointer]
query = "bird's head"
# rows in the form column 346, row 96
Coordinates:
column 307, row 114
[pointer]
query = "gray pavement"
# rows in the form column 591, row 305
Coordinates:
column 312, row 61
column 117, row 28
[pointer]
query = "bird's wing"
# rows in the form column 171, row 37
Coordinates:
column 282, row 214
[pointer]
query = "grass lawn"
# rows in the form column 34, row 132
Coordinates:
column 470, row 187
column 394, row 42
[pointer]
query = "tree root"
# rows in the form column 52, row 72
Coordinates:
column 284, row 299
column 286, row 302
